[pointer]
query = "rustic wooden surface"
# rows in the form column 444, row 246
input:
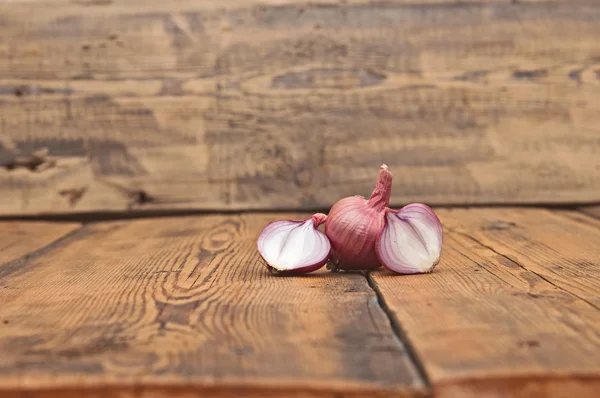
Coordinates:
column 111, row 105
column 514, row 308
column 167, row 307
column 18, row 238
column 593, row 211
column 135, row 307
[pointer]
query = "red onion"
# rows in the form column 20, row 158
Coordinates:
column 294, row 246
column 411, row 240
column 354, row 223
column 360, row 234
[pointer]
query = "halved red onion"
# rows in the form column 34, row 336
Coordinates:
column 294, row 247
column 411, row 240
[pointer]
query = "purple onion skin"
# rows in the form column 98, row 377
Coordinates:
column 354, row 223
column 299, row 271
column 353, row 234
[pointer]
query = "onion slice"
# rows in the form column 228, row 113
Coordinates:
column 294, row 247
column 411, row 240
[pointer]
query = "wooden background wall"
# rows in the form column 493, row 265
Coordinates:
column 112, row 105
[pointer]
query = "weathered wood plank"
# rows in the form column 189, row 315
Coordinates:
column 19, row 238
column 593, row 211
column 134, row 308
column 513, row 309
column 550, row 243
column 239, row 105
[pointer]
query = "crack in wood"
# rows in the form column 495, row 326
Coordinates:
column 530, row 74
column 527, row 269
column 19, row 264
column 399, row 332
column 38, row 161
column 482, row 267
column 73, row 195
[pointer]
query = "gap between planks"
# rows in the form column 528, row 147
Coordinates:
column 526, row 326
column 591, row 209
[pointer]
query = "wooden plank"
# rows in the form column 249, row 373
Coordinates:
column 593, row 211
column 183, row 307
column 238, row 105
column 19, row 238
column 513, row 308
column 549, row 243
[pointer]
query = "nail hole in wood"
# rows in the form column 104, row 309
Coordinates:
column 38, row 161
column 498, row 226
column 141, row 197
column 530, row 74
column 529, row 343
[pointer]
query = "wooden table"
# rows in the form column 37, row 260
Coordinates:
column 121, row 108
column 182, row 307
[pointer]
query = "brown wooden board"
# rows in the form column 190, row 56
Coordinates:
column 170, row 307
column 513, row 308
column 19, row 238
column 108, row 105
column 593, row 211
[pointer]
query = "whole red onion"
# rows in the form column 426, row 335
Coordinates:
column 354, row 223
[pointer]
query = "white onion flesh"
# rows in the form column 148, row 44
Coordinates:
column 293, row 246
column 411, row 240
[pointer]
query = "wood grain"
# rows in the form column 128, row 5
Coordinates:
column 593, row 211
column 511, row 310
column 560, row 246
column 108, row 105
column 19, row 238
column 183, row 307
